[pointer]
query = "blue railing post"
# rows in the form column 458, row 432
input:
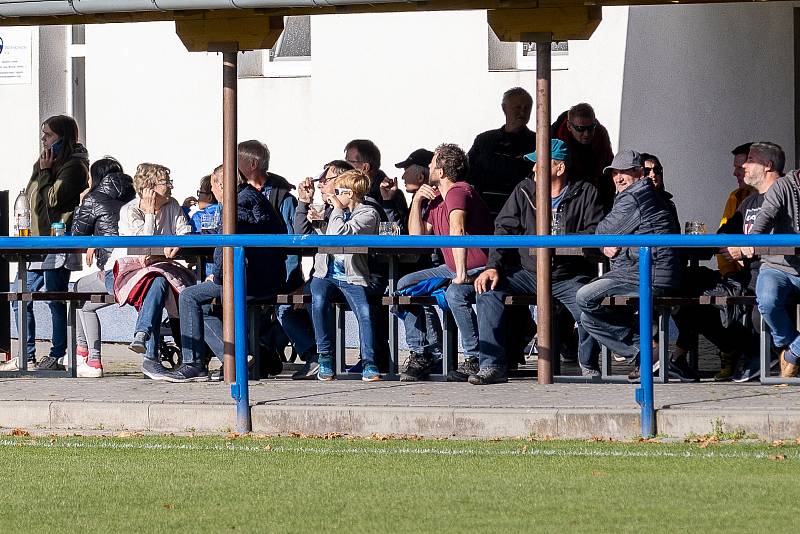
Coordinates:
column 644, row 395
column 239, row 390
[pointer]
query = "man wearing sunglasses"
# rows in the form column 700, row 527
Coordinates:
column 589, row 147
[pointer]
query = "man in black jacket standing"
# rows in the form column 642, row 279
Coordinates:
column 638, row 209
column 496, row 160
column 513, row 272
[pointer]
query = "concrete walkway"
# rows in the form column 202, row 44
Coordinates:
column 126, row 401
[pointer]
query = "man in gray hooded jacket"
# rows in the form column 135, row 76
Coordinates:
column 778, row 281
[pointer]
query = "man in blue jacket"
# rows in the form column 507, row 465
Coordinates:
column 255, row 215
column 638, row 209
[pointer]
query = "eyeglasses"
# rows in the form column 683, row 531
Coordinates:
column 166, row 181
column 201, row 192
column 354, row 161
column 342, row 190
column 581, row 129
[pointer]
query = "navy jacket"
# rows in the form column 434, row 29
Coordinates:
column 266, row 267
column 640, row 209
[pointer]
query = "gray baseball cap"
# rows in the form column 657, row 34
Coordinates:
column 624, row 160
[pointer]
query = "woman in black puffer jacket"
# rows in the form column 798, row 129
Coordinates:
column 98, row 214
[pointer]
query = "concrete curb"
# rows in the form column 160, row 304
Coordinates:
column 432, row 422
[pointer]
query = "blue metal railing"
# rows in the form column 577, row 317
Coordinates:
column 240, row 392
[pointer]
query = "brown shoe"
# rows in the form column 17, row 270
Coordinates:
column 788, row 370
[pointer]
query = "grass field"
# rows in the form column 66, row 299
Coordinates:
column 251, row 484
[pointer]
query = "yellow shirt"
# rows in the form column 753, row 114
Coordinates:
column 727, row 267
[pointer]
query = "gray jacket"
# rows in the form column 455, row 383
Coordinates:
column 363, row 220
column 640, row 209
column 780, row 214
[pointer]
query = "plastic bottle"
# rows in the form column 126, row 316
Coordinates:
column 22, row 215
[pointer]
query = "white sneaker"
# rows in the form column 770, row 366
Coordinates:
column 10, row 365
column 86, row 370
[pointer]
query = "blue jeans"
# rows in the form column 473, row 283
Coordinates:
column 297, row 325
column 46, row 280
column 774, row 291
column 323, row 291
column 460, row 298
column 198, row 327
column 614, row 327
column 150, row 314
column 492, row 317
column 422, row 323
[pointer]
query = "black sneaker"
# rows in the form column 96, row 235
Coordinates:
column 680, row 369
column 418, row 367
column 634, row 376
column 49, row 363
column 488, row 376
column 187, row 373
column 465, row 369
column 308, row 371
column 154, row 370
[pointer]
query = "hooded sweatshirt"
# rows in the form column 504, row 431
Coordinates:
column 780, row 214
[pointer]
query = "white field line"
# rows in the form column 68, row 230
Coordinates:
column 524, row 451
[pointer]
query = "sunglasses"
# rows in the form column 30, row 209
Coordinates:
column 655, row 170
column 581, row 129
column 342, row 190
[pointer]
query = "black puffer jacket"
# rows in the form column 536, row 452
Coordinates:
column 640, row 209
column 581, row 211
column 99, row 212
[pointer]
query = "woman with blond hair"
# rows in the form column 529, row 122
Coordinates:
column 149, row 279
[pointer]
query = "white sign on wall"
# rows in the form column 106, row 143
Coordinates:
column 15, row 55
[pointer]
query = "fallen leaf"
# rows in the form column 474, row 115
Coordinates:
column 524, row 449
column 778, row 443
column 20, row 432
column 232, row 435
column 781, row 386
column 268, row 448
column 599, row 474
column 168, row 506
column 778, row 457
column 124, row 435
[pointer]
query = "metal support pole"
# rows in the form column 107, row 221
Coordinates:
column 230, row 173
column 240, row 390
column 644, row 394
column 544, row 299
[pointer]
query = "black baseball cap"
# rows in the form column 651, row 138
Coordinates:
column 420, row 156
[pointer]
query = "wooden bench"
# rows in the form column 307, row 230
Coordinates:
column 74, row 301
column 663, row 305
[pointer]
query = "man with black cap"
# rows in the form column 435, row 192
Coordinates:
column 638, row 209
column 513, row 272
column 415, row 168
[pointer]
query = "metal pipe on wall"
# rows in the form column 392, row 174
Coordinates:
column 230, row 175
column 544, row 299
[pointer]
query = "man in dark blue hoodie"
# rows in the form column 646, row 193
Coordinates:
column 255, row 215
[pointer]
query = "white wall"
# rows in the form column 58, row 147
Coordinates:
column 404, row 80
column 700, row 80
column 19, row 109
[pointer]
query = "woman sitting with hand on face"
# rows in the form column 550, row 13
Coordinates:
column 149, row 279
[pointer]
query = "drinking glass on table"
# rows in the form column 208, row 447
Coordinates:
column 388, row 228
column 694, row 228
column 316, row 215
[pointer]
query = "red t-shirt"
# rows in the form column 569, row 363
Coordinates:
column 478, row 221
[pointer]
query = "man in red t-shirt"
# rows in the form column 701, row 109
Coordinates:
column 453, row 208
